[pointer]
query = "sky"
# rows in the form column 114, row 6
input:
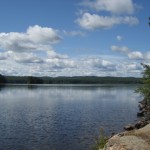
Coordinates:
column 74, row 37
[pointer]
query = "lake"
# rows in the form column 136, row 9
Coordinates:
column 63, row 117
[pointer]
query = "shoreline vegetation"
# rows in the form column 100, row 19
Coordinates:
column 68, row 80
column 144, row 105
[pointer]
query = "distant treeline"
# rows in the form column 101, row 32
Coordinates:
column 68, row 80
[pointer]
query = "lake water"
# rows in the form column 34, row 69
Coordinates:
column 63, row 117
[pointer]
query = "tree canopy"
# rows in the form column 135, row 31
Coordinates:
column 71, row 80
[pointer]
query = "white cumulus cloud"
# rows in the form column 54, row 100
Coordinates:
column 35, row 38
column 103, row 14
column 25, row 47
column 113, row 6
column 123, row 49
column 59, row 66
column 95, row 21
column 135, row 55
column 39, row 34
column 32, row 53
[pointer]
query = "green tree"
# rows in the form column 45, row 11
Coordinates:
column 145, row 88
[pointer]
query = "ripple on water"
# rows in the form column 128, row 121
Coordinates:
column 59, row 118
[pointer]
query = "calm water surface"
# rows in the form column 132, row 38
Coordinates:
column 63, row 117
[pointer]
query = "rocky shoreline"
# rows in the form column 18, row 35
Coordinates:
column 143, row 114
column 136, row 136
column 137, row 139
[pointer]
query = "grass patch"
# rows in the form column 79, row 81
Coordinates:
column 101, row 141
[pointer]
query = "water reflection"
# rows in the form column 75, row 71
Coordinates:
column 1, row 86
column 62, row 117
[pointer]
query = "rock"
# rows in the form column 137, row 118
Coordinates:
column 132, row 140
column 129, row 127
column 142, row 106
column 112, row 134
column 144, row 102
column 121, row 134
column 140, row 124
column 140, row 114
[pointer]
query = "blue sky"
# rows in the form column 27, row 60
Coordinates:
column 74, row 37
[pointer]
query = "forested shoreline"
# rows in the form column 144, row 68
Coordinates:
column 68, row 80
